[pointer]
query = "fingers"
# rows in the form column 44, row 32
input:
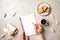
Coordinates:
column 38, row 29
column 27, row 38
column 22, row 36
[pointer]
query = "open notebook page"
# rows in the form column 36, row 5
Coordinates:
column 27, row 22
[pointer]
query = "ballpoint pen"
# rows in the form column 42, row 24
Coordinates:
column 24, row 37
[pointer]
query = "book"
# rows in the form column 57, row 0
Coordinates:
column 28, row 24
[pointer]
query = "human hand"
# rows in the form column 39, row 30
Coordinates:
column 38, row 29
column 22, row 36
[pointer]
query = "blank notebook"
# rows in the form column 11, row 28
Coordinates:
column 28, row 24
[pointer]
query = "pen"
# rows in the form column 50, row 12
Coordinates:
column 24, row 37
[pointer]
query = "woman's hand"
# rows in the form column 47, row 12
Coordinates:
column 22, row 36
column 38, row 29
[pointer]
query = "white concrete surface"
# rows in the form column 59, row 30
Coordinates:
column 23, row 7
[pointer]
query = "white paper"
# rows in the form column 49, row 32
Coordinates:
column 5, row 30
column 11, row 27
column 28, row 25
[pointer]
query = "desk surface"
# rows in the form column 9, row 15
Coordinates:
column 23, row 7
